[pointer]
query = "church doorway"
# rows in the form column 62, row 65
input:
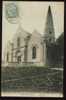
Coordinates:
column 19, row 59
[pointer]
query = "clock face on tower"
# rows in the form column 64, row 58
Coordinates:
column 11, row 12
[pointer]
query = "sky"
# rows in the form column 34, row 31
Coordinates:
column 32, row 16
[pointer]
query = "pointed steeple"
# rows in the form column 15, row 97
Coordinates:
column 49, row 27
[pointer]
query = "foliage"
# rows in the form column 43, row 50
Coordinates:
column 31, row 79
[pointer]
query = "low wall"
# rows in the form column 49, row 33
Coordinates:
column 15, row 64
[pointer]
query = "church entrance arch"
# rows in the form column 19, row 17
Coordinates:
column 19, row 59
column 18, row 56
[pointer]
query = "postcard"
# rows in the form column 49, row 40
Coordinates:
column 32, row 49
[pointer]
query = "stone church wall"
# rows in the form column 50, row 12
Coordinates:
column 35, row 41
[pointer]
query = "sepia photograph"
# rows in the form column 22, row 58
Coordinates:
column 32, row 49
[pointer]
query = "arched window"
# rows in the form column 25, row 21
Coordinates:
column 18, row 41
column 34, row 52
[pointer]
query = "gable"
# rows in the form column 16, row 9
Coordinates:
column 36, row 39
column 20, row 33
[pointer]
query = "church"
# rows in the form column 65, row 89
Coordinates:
column 31, row 48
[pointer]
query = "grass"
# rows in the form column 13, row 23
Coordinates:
column 31, row 79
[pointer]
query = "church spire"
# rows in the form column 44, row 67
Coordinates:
column 49, row 27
